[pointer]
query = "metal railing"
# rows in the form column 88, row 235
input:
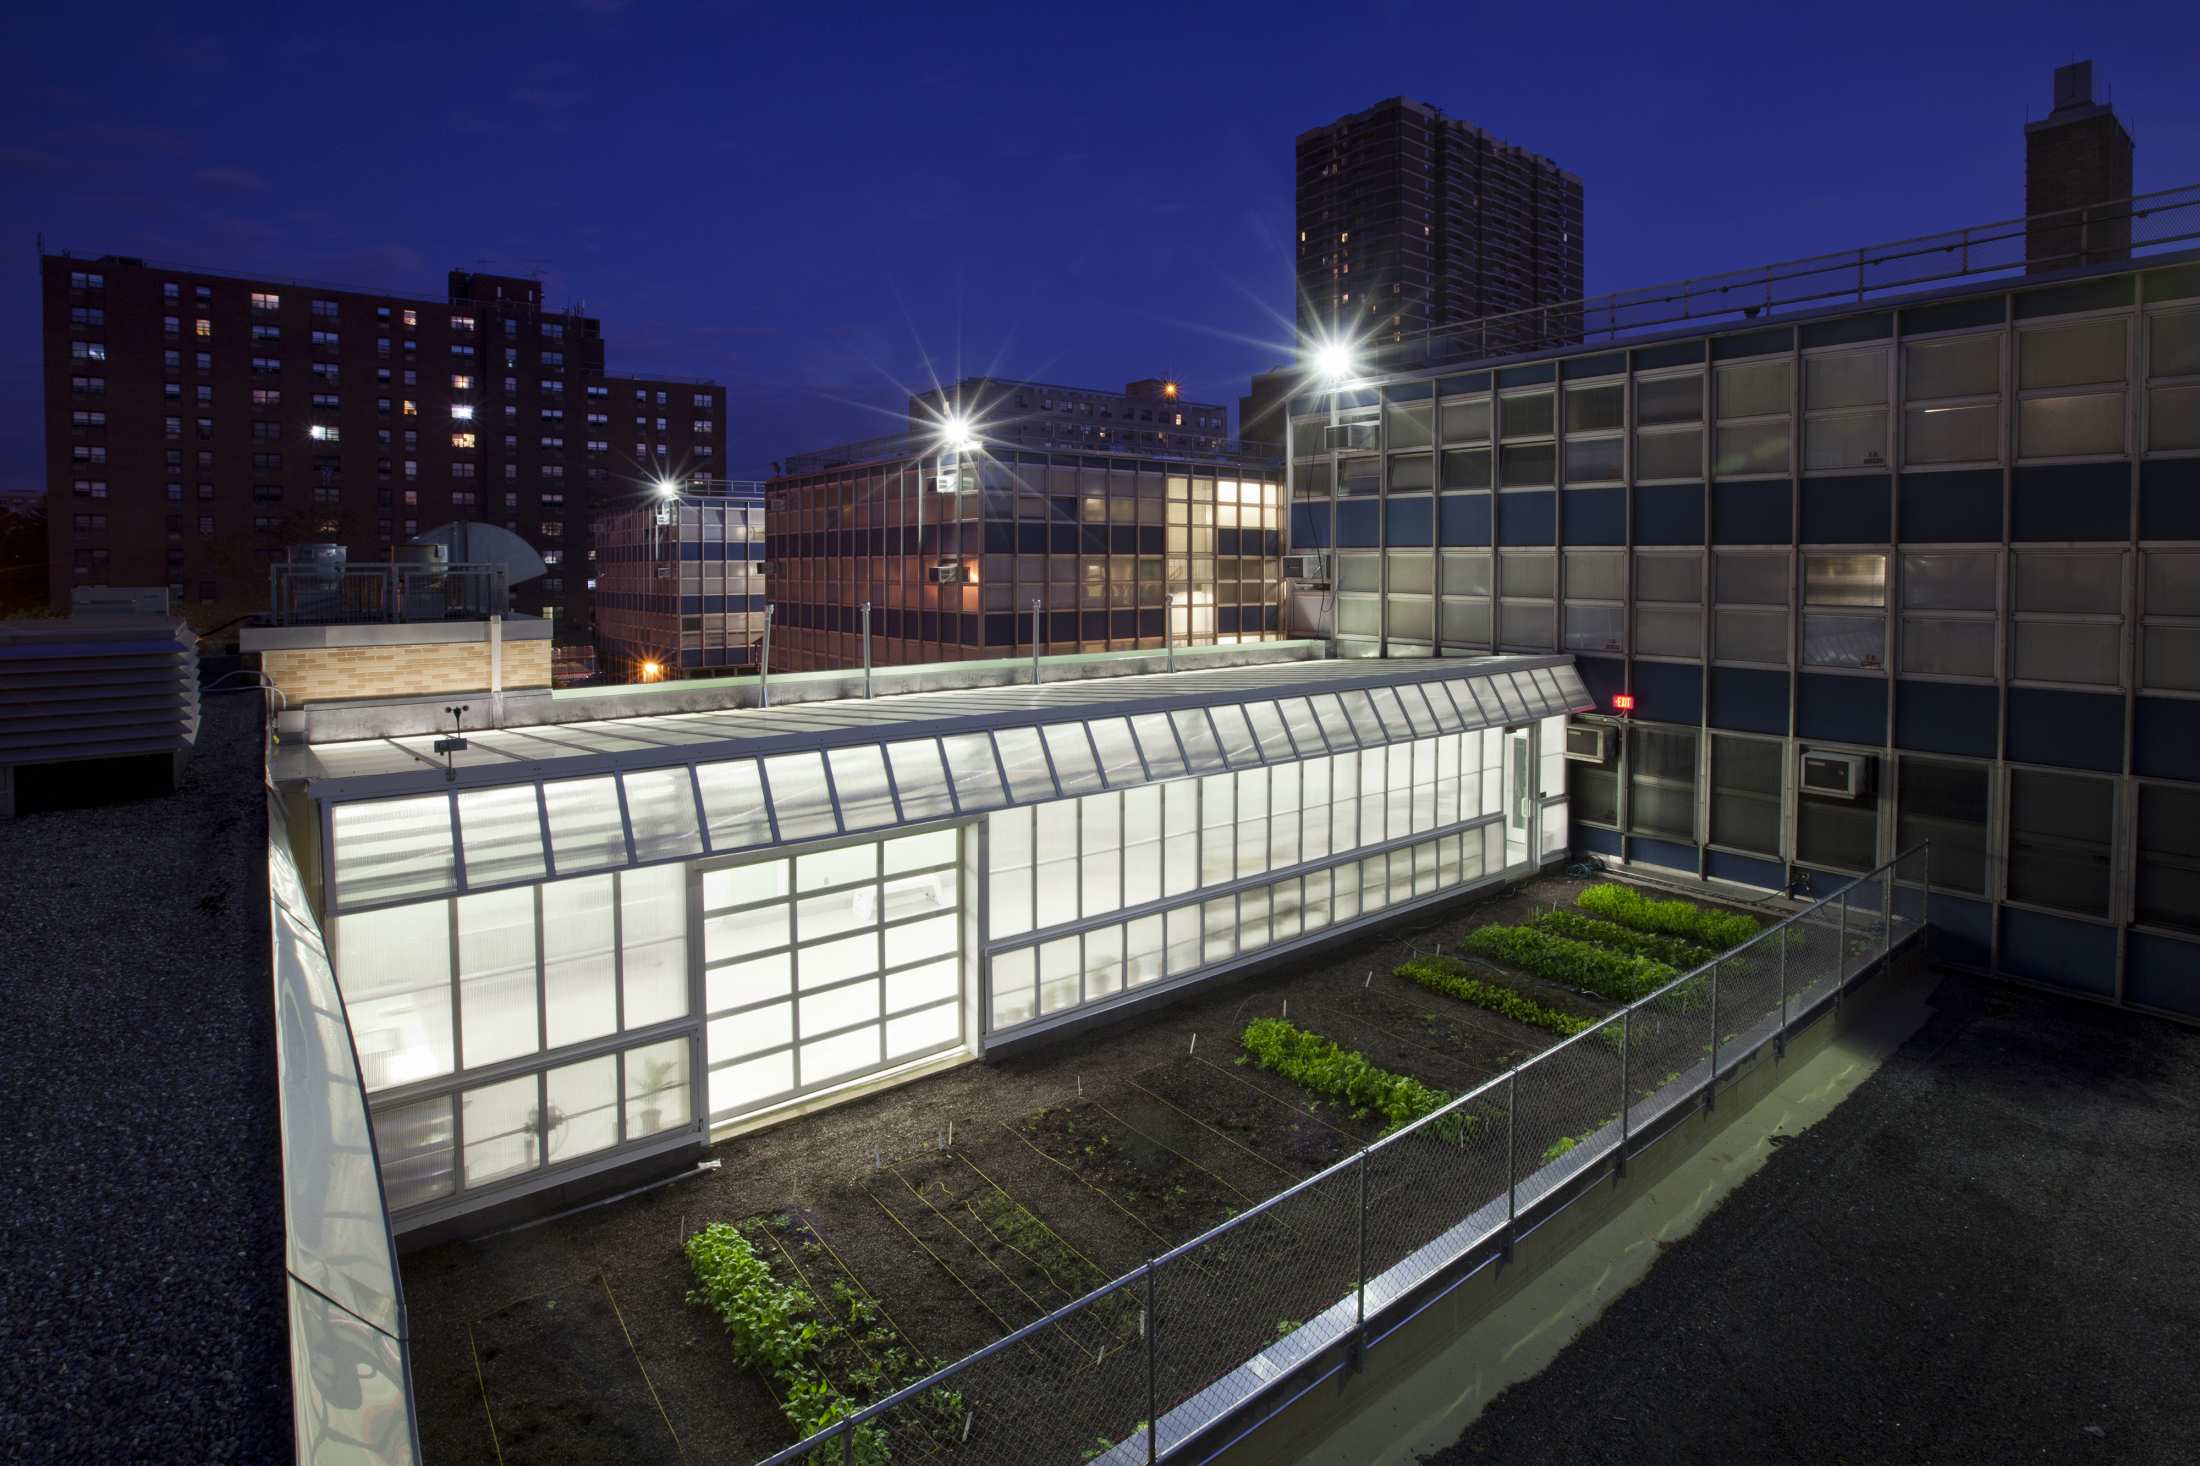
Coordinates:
column 1310, row 1280
column 2063, row 239
column 360, row 592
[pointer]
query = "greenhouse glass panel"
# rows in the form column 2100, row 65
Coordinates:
column 582, row 1116
column 1306, row 730
column 1157, row 741
column 801, row 803
column 1119, row 762
column 920, row 780
column 656, row 1087
column 1269, row 732
column 391, row 848
column 653, row 944
column 859, row 783
column 586, row 832
column 733, row 804
column 1238, row 748
column 977, row 775
column 1025, row 762
column 1071, row 752
column 1335, row 726
column 500, row 1123
column 395, row 967
column 579, row 961
column 496, row 976
column 1203, row 755
column 660, row 804
column 1365, row 724
column 501, row 832
column 1391, row 710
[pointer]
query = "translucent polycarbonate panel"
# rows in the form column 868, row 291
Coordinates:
column 922, row 894
column 830, row 1059
column 1025, row 763
column 1306, row 731
column 1103, row 962
column 1336, row 727
column 835, row 960
column 1268, row 731
column 500, row 831
column 1203, row 754
column 915, row 941
column 920, row 779
column 498, row 1015
column 1143, row 943
column 801, row 803
column 660, row 806
column 586, row 832
column 747, row 883
column 392, row 848
column 1390, row 711
column 1100, row 865
column 744, row 933
column 1283, row 815
column 859, row 784
column 1119, row 763
column 1015, row 987
column 1180, row 837
column 1141, row 845
column 919, row 852
column 1059, row 979
column 1238, row 747
column 1367, row 727
column 582, row 1116
column 1071, row 753
column 1443, row 712
column 822, row 869
column 502, row 1127
column 1182, row 952
column 835, row 912
column 394, row 968
column 1008, row 861
column 413, row 1142
column 930, row 1028
column 1218, row 828
column 977, row 774
column 653, row 966
column 1054, row 844
column 656, row 1088
column 841, row 1007
column 733, row 804
column 1157, row 741
column 736, row 1087
column 922, row 985
column 579, row 961
column 738, row 984
column 1252, row 822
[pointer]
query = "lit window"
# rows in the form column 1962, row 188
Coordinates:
column 412, row 318
column 264, row 301
column 323, row 433
column 460, row 382
column 410, row 408
column 204, row 327
column 462, row 440
column 462, row 412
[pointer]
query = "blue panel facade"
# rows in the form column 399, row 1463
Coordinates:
column 1595, row 517
column 1359, row 523
column 1947, row 717
column 2057, row 950
column 1527, row 519
column 1412, row 521
column 1752, row 514
column 1841, row 709
column 2077, row 730
column 2071, row 501
column 2169, row 499
column 1724, row 865
column 1751, row 699
column 1463, row 519
column 2165, row 738
column 1848, row 511
column 1963, row 931
column 1668, row 692
column 2163, row 972
column 1960, row 507
column 1669, row 514
column 1662, row 852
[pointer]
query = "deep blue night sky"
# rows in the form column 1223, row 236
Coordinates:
column 813, row 202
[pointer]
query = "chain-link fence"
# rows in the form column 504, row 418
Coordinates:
column 1140, row 1366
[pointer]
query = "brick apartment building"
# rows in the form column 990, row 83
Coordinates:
column 196, row 424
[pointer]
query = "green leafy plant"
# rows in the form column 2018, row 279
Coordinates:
column 1620, row 976
column 1454, row 979
column 1629, row 907
column 1314, row 1062
column 1675, row 952
column 778, row 1331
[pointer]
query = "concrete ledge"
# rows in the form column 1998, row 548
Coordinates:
column 386, row 634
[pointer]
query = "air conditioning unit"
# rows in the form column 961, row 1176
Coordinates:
column 1349, row 435
column 664, row 514
column 1836, row 775
column 1589, row 743
column 1306, row 569
column 947, row 572
column 664, row 572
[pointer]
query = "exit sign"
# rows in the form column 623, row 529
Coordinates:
column 1623, row 702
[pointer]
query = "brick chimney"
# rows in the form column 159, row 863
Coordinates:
column 2077, row 169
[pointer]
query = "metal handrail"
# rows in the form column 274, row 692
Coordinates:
column 845, row 1428
column 1851, row 274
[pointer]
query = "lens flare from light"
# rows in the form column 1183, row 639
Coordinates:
column 1335, row 360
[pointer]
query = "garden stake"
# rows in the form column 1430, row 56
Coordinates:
column 1195, row 1045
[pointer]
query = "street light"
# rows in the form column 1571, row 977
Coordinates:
column 958, row 434
column 1336, row 361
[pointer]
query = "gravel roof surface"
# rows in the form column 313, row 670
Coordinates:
column 1985, row 1255
column 141, row 1225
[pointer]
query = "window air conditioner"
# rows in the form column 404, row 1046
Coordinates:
column 947, row 572
column 1349, row 435
column 664, row 514
column 1589, row 743
column 1306, row 569
column 1835, row 775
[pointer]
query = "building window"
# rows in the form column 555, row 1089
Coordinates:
column 2070, row 389
column 2167, row 881
column 1844, row 611
column 325, row 433
column 1669, row 426
column 2173, row 380
column 1834, row 832
column 263, row 300
column 1946, row 802
column 2067, row 624
column 1661, row 783
column 1751, row 436
column 1669, row 603
column 2059, row 840
column 86, row 280
column 1845, row 406
column 1952, row 400
column 202, row 327
column 1749, row 622
column 1745, row 793
column 551, row 528
column 462, row 440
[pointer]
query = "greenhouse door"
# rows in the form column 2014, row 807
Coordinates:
column 826, row 965
column 1519, row 796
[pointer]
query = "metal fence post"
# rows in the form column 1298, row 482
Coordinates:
column 1512, row 1173
column 1886, row 912
column 1711, row 1080
column 1780, row 940
column 848, row 1446
column 1626, row 1094
column 866, row 649
column 1359, row 1347
column 1153, row 1385
column 1841, row 955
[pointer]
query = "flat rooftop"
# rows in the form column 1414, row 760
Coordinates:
column 1983, row 1255
column 142, row 1173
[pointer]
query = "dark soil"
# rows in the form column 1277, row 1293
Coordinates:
column 563, row 1386
column 1146, row 1178
column 1283, row 1130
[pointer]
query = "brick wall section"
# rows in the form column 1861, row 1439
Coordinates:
column 329, row 674
column 2073, row 165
